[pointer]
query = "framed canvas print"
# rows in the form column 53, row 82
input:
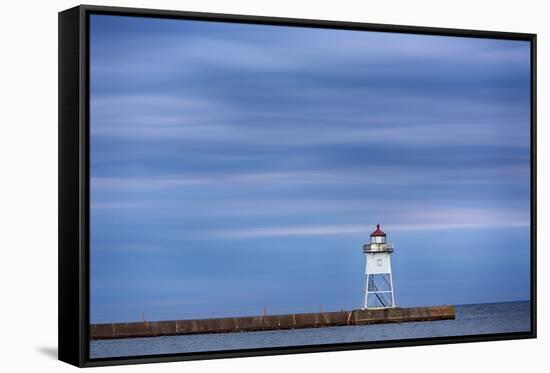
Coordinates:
column 239, row 186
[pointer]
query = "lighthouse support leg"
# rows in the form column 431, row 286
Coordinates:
column 391, row 288
column 366, row 291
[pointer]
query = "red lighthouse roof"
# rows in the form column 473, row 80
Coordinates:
column 377, row 232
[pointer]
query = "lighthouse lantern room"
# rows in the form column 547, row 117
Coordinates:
column 378, row 276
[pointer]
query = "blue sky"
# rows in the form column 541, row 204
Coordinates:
column 236, row 167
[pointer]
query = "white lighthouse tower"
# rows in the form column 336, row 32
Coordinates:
column 379, row 282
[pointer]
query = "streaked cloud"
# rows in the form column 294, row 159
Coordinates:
column 418, row 220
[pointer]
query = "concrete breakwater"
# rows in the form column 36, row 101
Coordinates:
column 269, row 322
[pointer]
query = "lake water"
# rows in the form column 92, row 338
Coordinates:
column 470, row 319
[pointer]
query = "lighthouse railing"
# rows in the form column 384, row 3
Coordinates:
column 377, row 248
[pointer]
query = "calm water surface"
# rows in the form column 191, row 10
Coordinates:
column 470, row 319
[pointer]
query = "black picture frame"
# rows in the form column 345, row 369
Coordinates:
column 74, row 183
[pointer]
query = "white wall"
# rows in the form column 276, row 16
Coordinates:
column 28, row 183
column 374, row 267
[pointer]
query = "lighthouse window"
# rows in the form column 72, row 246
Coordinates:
column 378, row 239
column 379, row 262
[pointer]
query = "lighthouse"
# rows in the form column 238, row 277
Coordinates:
column 378, row 277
